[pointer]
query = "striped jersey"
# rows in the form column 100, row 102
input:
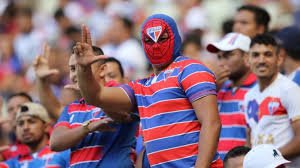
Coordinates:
column 269, row 113
column 230, row 100
column 99, row 149
column 169, row 124
column 59, row 160
column 295, row 76
column 36, row 160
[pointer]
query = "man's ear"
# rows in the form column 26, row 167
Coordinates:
column 102, row 70
column 246, row 59
column 260, row 29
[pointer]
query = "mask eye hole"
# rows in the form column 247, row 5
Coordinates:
column 163, row 37
column 24, row 108
column 148, row 40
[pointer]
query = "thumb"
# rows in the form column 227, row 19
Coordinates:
column 71, row 86
column 51, row 72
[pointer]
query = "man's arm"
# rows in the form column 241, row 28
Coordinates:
column 113, row 100
column 59, row 142
column 292, row 149
column 207, row 114
column 43, row 73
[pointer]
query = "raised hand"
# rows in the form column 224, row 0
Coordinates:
column 72, row 87
column 84, row 51
column 222, row 75
column 41, row 66
column 101, row 125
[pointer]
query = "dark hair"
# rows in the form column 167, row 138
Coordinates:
column 235, row 152
column 24, row 12
column 22, row 94
column 261, row 16
column 193, row 38
column 114, row 60
column 71, row 30
column 227, row 26
column 59, row 13
column 97, row 50
column 265, row 39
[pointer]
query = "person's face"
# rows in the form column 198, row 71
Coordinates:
column 24, row 23
column 13, row 105
column 158, row 42
column 235, row 162
column 244, row 22
column 72, row 68
column 192, row 50
column 112, row 72
column 234, row 61
column 30, row 130
column 264, row 61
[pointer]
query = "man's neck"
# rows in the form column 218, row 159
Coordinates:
column 265, row 82
column 40, row 145
column 239, row 81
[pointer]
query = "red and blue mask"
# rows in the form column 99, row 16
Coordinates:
column 160, row 39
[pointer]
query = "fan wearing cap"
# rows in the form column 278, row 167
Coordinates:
column 289, row 40
column 234, row 79
column 32, row 129
column 272, row 106
column 177, row 104
column 264, row 156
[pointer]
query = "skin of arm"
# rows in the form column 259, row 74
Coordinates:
column 207, row 114
column 292, row 148
column 48, row 100
column 59, row 142
column 248, row 138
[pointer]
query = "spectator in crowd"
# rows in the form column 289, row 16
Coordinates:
column 191, row 46
column 16, row 147
column 174, row 103
column 264, row 156
column 235, row 157
column 272, row 106
column 28, row 41
column 95, row 140
column 32, row 129
column 289, row 39
column 43, row 74
column 234, row 79
column 251, row 20
column 128, row 51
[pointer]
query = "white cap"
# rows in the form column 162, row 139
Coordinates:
column 229, row 42
column 264, row 156
column 33, row 109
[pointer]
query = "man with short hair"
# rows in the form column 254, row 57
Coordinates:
column 289, row 40
column 235, row 157
column 94, row 138
column 251, row 20
column 32, row 129
column 13, row 104
column 235, row 79
column 272, row 106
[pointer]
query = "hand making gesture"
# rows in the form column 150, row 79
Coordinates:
column 84, row 51
column 41, row 65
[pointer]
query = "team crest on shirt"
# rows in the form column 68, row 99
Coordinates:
column 96, row 112
column 273, row 106
column 168, row 73
column 154, row 32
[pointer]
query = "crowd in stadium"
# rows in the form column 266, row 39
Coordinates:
column 152, row 83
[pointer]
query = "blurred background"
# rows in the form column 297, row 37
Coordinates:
column 25, row 25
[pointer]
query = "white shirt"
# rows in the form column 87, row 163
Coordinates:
column 269, row 113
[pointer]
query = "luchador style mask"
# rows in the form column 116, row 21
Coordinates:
column 161, row 40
